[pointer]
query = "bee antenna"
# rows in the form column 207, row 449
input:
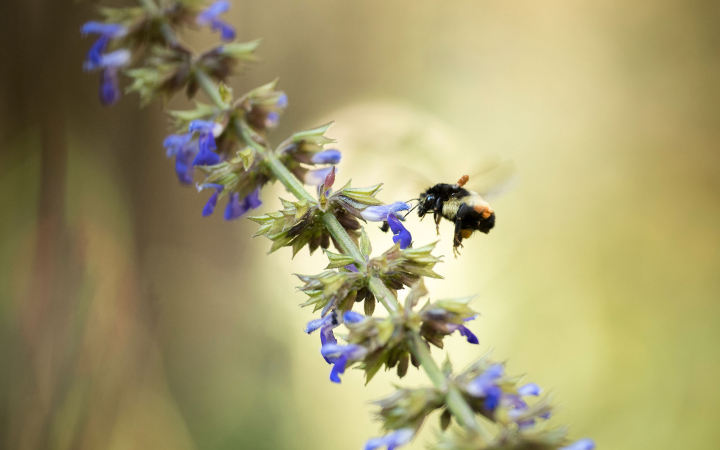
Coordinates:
column 411, row 210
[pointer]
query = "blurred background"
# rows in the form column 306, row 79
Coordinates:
column 128, row 321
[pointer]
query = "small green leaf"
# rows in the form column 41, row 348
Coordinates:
column 365, row 246
column 248, row 156
column 338, row 260
column 241, row 50
column 447, row 366
column 301, row 208
column 263, row 90
column 226, row 93
column 314, row 135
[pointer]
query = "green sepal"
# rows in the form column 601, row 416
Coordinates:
column 314, row 136
column 365, row 196
column 365, row 245
column 241, row 50
column 338, row 260
column 183, row 118
column 247, row 156
column 225, row 92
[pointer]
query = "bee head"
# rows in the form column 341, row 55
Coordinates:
column 425, row 203
column 485, row 225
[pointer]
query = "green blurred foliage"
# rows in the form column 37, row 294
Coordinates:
column 128, row 321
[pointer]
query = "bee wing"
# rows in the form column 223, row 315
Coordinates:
column 496, row 180
column 419, row 180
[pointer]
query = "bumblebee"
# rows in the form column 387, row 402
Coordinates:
column 465, row 208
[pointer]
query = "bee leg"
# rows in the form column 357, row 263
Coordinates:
column 437, row 215
column 457, row 239
column 385, row 227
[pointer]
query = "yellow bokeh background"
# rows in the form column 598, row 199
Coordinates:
column 128, row 321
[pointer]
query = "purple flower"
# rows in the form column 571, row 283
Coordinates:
column 282, row 101
column 380, row 213
column 316, row 177
column 353, row 317
column 529, row 389
column 469, row 335
column 326, row 157
column 464, row 331
column 110, row 63
column 326, row 325
column 184, row 149
column 518, row 405
column 209, row 16
column 400, row 233
column 206, row 141
column 485, row 385
column 582, row 444
column 107, row 31
column 272, row 119
column 236, row 208
column 340, row 355
column 391, row 440
column 212, row 201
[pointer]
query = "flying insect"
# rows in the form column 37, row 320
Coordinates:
column 466, row 209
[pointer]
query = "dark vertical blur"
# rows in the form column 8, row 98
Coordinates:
column 128, row 321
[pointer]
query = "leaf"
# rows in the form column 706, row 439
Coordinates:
column 226, row 93
column 403, row 364
column 366, row 196
column 314, row 135
column 338, row 260
column 301, row 208
column 447, row 366
column 418, row 291
column 248, row 156
column 365, row 246
column 445, row 419
column 241, row 50
column 369, row 305
column 264, row 90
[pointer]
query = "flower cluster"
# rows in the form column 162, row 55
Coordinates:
column 377, row 342
column 445, row 317
column 109, row 63
column 498, row 397
column 342, row 284
column 302, row 223
column 403, row 414
column 169, row 66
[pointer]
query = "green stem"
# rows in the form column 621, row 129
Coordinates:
column 384, row 296
column 149, row 5
column 210, row 88
column 341, row 237
column 454, row 399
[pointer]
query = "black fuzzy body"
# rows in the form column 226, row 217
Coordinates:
column 456, row 204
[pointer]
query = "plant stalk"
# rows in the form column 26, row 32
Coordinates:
column 454, row 399
column 210, row 88
column 149, row 5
